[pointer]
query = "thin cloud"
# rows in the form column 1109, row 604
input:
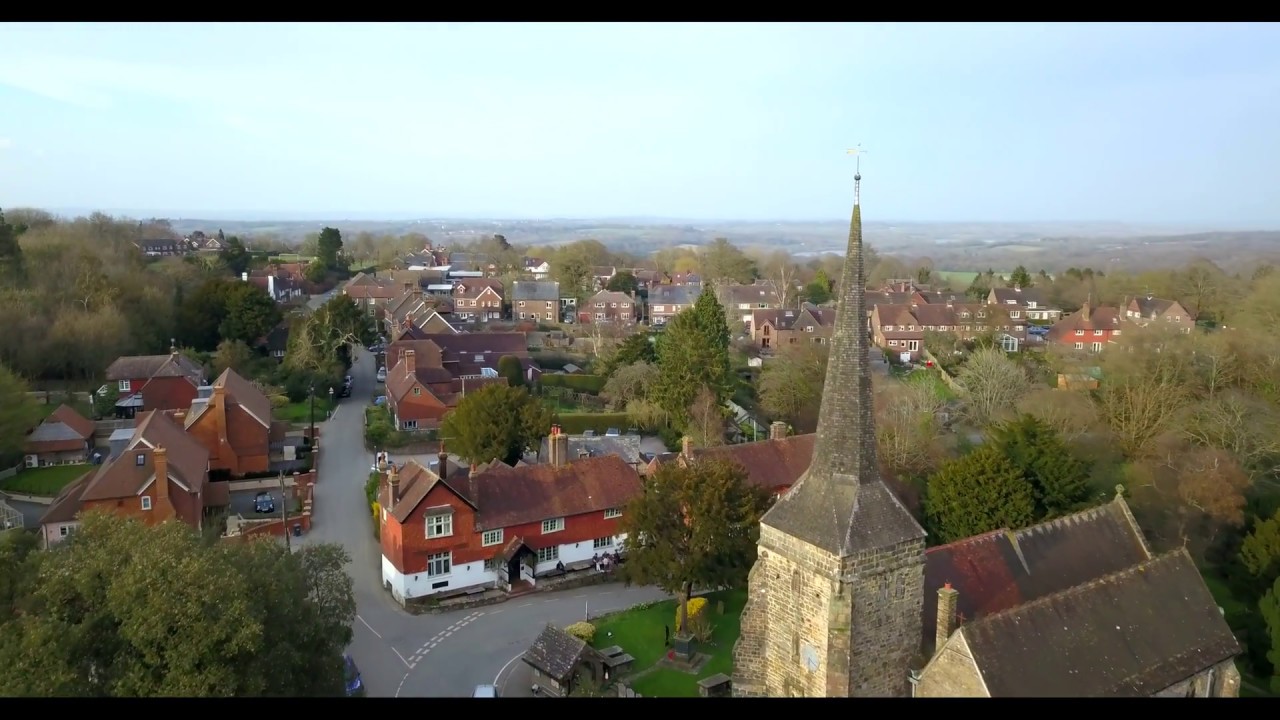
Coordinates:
column 6, row 143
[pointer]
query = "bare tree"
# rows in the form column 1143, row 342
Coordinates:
column 791, row 384
column 629, row 383
column 1240, row 423
column 993, row 385
column 1144, row 394
column 706, row 420
column 1189, row 496
column 1216, row 364
column 907, row 428
column 1072, row 414
column 782, row 275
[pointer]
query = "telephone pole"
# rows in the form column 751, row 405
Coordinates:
column 284, row 515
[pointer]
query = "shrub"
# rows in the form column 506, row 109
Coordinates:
column 377, row 521
column 701, row 628
column 591, row 384
column 584, row 631
column 696, row 608
column 576, row 423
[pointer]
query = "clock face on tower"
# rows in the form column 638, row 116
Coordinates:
column 809, row 656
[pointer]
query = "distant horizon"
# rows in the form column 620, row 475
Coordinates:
column 190, row 216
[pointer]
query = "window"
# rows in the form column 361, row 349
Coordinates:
column 409, row 424
column 1079, row 346
column 549, row 554
column 913, row 345
column 439, row 564
column 146, row 502
column 520, row 304
column 1115, row 332
column 124, row 386
column 1097, row 347
column 491, row 564
column 439, row 525
column 552, row 525
column 893, row 343
column 140, row 460
column 1097, row 333
column 64, row 531
column 417, row 391
column 612, row 513
column 600, row 305
column 491, row 537
column 604, row 542
column 659, row 308
column 1079, row 333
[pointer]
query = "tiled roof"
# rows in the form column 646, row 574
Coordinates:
column 626, row 447
column 496, row 343
column 610, row 296
column 246, row 395
column 65, row 430
column 555, row 653
column 416, row 480
column 1128, row 634
column 515, row 496
column 548, row 291
column 1020, row 297
column 187, row 457
column 674, row 294
column 472, row 287
column 1148, row 305
column 1086, row 318
column 779, row 319
column 134, row 367
column 748, row 294
column 999, row 570
column 770, row 464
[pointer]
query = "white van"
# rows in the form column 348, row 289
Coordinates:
column 485, row 691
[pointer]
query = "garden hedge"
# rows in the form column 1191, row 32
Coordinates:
column 577, row 423
column 592, row 384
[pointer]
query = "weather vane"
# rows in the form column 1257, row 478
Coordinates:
column 857, row 152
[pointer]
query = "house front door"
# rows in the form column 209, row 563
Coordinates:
column 513, row 569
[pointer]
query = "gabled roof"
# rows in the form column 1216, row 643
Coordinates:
column 780, row 319
column 1086, row 318
column 770, row 464
column 185, row 454
column 498, row 343
column 416, row 481
column 674, row 294
column 610, row 296
column 435, row 324
column 536, row 291
column 474, row 287
column 135, row 367
column 1019, row 296
column 748, row 294
column 1148, row 305
column 65, row 430
column 246, row 395
column 1127, row 634
column 999, row 570
column 509, row 496
column 556, row 653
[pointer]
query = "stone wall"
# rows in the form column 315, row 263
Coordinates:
column 819, row 626
column 951, row 673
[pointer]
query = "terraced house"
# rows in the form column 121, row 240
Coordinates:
column 451, row 530
column 608, row 306
column 900, row 329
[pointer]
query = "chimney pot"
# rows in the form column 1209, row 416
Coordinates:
column 160, row 461
column 777, row 430
column 948, row 604
column 410, row 363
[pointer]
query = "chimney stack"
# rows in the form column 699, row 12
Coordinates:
column 558, row 447
column 160, row 460
column 777, row 430
column 686, row 447
column 393, row 481
column 410, row 363
column 948, row 602
column 443, row 470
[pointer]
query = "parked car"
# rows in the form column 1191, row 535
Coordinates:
column 485, row 691
column 351, row 673
column 344, row 391
column 382, row 374
column 264, row 503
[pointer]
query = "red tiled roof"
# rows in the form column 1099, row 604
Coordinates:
column 770, row 464
column 531, row 493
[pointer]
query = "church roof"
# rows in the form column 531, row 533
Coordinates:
column 1003, row 569
column 841, row 504
column 1127, row 634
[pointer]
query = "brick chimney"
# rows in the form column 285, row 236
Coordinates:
column 442, row 471
column 948, row 604
column 686, row 447
column 393, row 481
column 558, row 447
column 777, row 430
column 408, row 286
column 160, row 462
column 410, row 363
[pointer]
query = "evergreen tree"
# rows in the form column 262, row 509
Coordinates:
column 510, row 368
column 692, row 353
column 978, row 493
column 329, row 248
column 496, row 422
column 1269, row 609
column 1020, row 278
column 1058, row 477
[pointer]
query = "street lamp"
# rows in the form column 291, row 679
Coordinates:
column 312, row 392
column 330, row 403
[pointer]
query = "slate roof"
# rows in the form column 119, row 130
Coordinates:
column 674, row 294
column 748, row 294
column 556, row 653
column 1128, row 634
column 780, row 319
column 1020, row 297
column 1148, row 306
column 136, row 367
column 540, row 291
column 1000, row 570
column 626, row 447
column 65, row 430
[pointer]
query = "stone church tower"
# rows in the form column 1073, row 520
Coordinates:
column 835, row 598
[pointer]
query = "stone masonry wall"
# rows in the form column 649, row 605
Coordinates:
column 829, row 629
column 952, row 673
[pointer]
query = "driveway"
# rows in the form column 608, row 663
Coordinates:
column 242, row 504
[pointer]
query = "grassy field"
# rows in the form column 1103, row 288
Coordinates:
column 83, row 408
column 640, row 632
column 45, row 481
column 956, row 279
column 300, row 412
column 932, row 379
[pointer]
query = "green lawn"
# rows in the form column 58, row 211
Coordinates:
column 46, row 481
column 85, row 411
column 931, row 378
column 640, row 632
column 300, row 412
column 957, row 280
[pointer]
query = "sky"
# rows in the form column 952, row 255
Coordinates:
column 1154, row 124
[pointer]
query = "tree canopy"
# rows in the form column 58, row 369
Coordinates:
column 496, row 422
column 693, row 525
column 1059, row 479
column 978, row 493
column 126, row 610
column 18, row 414
column 693, row 353
column 329, row 249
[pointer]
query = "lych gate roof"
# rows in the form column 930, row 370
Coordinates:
column 555, row 653
column 1132, row 633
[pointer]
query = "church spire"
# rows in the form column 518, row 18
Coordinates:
column 840, row 504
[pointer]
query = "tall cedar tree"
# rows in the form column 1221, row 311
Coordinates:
column 329, row 248
column 1059, row 479
column 496, row 422
column 693, row 352
column 978, row 493
column 126, row 610
column 250, row 314
column 693, row 525
column 637, row 348
column 510, row 368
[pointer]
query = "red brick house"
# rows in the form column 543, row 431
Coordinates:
column 1088, row 330
column 901, row 328
column 162, row 474
column 608, row 306
column 498, row 526
column 233, row 423
column 154, row 382
column 1148, row 311
column 420, row 394
column 478, row 299
column 465, row 354
column 64, row 437
column 371, row 293
column 773, row 329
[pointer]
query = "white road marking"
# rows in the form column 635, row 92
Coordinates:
column 401, row 685
column 575, row 597
column 525, row 605
column 406, row 662
column 495, row 612
column 504, row 668
column 366, row 624
column 447, row 633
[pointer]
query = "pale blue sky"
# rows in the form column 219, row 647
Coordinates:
column 1161, row 123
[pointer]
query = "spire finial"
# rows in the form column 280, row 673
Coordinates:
column 857, row 153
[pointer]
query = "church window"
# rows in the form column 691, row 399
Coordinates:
column 795, row 582
column 795, row 644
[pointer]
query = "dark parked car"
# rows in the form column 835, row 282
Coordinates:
column 264, row 503
column 344, row 391
column 351, row 673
